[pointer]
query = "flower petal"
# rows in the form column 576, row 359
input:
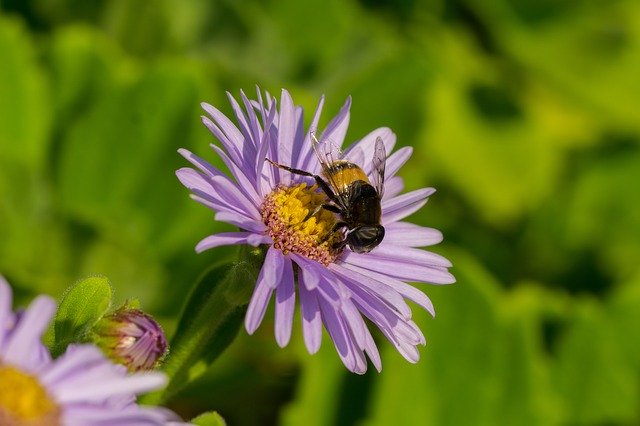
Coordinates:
column 6, row 314
column 203, row 165
column 282, row 152
column 405, row 270
column 231, row 238
column 285, row 304
column 306, row 158
column 399, row 207
column 374, row 287
column 406, row 290
column 366, row 146
column 269, row 277
column 311, row 317
column 28, row 332
column 242, row 222
column 392, row 187
column 336, row 130
column 397, row 160
column 409, row 234
column 246, row 184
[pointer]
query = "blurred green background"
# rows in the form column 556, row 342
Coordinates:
column 524, row 114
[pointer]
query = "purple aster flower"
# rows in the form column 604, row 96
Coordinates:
column 336, row 286
column 79, row 388
column 132, row 338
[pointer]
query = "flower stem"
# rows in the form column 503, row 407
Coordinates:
column 210, row 320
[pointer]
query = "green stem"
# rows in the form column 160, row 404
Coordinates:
column 210, row 320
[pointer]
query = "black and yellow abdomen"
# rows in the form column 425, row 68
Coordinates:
column 343, row 173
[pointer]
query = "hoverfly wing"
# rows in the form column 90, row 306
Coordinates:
column 379, row 163
column 328, row 153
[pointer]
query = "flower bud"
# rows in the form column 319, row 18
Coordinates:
column 132, row 338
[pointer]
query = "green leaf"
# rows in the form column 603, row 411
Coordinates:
column 576, row 52
column 481, row 132
column 601, row 211
column 24, row 98
column 109, row 167
column 85, row 65
column 210, row 320
column 483, row 363
column 211, row 418
column 623, row 311
column 321, row 379
column 593, row 375
column 82, row 306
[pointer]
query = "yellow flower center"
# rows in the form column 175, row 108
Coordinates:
column 23, row 400
column 285, row 212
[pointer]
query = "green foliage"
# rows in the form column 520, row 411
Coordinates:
column 209, row 419
column 81, row 307
column 210, row 320
column 523, row 114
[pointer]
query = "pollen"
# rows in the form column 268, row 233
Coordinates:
column 286, row 213
column 23, row 400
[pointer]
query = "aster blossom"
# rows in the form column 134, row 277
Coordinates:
column 132, row 338
column 271, row 207
column 79, row 388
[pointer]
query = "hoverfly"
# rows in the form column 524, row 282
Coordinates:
column 352, row 196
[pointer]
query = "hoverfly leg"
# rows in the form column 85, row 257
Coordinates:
column 337, row 226
column 332, row 208
column 312, row 213
column 339, row 245
column 319, row 181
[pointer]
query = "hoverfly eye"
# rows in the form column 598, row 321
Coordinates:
column 365, row 238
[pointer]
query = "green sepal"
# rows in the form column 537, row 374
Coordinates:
column 211, row 418
column 210, row 320
column 83, row 304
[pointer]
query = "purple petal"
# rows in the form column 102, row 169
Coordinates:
column 406, row 290
column 229, row 192
column 75, row 362
column 311, row 317
column 246, row 184
column 337, row 127
column 269, row 277
column 193, row 180
column 227, row 132
column 372, row 350
column 28, row 332
column 310, row 269
column 307, row 155
column 340, row 336
column 110, row 386
column 409, row 234
column 405, row 335
column 254, row 125
column 373, row 287
column 6, row 314
column 285, row 305
column 399, row 268
column 242, row 222
column 266, row 175
column 409, row 255
column 399, row 207
column 286, row 135
column 397, row 160
column 248, row 145
column 367, row 145
column 231, row 147
column 231, row 238
column 392, row 187
column 203, row 165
